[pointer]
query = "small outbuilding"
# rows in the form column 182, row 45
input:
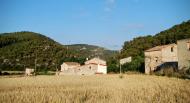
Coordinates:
column 29, row 71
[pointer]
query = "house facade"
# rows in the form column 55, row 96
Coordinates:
column 69, row 65
column 68, row 68
column 183, row 47
column 91, row 67
column 100, row 65
column 159, row 55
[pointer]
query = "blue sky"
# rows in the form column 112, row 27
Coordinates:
column 106, row 23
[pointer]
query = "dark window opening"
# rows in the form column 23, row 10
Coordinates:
column 188, row 46
column 156, row 59
column 172, row 49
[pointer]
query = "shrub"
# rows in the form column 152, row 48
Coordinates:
column 188, row 71
column 168, row 72
column 121, row 76
column 6, row 73
column 171, row 72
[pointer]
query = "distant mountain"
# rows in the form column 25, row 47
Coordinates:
column 90, row 51
column 20, row 49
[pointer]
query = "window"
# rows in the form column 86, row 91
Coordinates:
column 172, row 49
column 188, row 45
column 156, row 58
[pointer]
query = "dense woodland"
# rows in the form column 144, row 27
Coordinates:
column 19, row 50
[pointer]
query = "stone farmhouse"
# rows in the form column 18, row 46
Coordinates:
column 172, row 53
column 91, row 67
column 158, row 55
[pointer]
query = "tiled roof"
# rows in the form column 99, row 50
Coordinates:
column 96, row 61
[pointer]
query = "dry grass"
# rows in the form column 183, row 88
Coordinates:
column 99, row 89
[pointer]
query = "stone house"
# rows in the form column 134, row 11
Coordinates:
column 91, row 67
column 99, row 64
column 183, row 47
column 68, row 68
column 69, row 65
column 159, row 55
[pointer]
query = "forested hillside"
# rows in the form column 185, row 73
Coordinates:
column 20, row 49
column 92, row 51
column 136, row 47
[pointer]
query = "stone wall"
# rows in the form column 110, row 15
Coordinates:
column 29, row 71
column 70, row 71
column 102, row 69
column 89, row 69
column 65, row 66
column 152, row 59
column 183, row 54
column 169, row 53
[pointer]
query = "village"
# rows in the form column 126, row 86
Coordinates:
column 94, row 51
column 174, row 55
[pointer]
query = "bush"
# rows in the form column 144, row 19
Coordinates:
column 171, row 72
column 6, row 73
column 168, row 71
column 188, row 71
column 121, row 76
column 137, row 64
column 45, row 73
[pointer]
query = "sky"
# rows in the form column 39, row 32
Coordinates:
column 106, row 23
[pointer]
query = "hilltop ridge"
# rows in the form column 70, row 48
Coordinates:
column 20, row 49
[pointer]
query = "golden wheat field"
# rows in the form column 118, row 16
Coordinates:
column 133, row 88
